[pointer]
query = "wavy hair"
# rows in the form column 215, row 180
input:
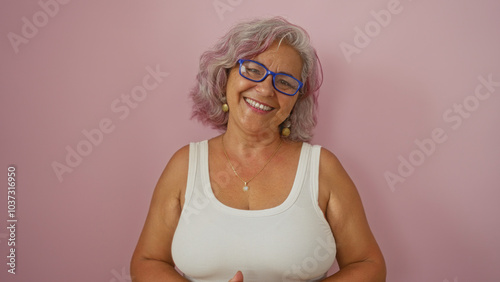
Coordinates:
column 245, row 41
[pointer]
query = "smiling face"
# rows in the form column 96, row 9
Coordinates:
column 257, row 107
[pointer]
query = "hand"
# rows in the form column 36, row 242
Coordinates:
column 238, row 277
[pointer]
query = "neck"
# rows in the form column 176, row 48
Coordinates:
column 239, row 140
column 252, row 157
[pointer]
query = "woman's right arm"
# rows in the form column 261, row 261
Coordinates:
column 152, row 259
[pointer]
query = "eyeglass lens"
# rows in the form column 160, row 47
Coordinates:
column 256, row 72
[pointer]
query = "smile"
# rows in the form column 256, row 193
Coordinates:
column 258, row 105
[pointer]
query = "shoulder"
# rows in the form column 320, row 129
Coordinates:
column 174, row 176
column 334, row 182
column 330, row 168
column 179, row 161
column 180, row 158
column 329, row 161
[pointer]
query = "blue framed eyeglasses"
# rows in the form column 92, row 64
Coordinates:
column 257, row 72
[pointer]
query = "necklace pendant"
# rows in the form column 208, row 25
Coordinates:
column 245, row 188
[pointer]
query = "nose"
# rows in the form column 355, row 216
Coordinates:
column 266, row 86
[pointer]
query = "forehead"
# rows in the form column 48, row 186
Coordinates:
column 281, row 58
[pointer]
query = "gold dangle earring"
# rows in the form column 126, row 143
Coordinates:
column 285, row 131
column 225, row 107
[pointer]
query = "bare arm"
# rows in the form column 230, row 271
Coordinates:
column 358, row 254
column 152, row 259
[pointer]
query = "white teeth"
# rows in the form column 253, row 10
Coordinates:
column 258, row 105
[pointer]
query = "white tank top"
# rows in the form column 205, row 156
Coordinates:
column 289, row 242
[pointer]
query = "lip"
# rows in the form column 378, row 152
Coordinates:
column 257, row 109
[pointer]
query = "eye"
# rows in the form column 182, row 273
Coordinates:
column 285, row 84
column 253, row 71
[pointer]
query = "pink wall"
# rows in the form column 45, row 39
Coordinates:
column 404, row 105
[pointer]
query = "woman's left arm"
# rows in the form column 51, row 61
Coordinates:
column 358, row 254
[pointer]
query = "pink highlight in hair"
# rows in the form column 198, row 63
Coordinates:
column 245, row 41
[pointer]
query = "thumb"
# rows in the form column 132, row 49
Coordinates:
column 238, row 277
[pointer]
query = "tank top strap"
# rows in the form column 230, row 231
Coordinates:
column 311, row 181
column 196, row 153
column 314, row 170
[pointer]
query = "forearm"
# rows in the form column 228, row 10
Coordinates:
column 151, row 270
column 364, row 271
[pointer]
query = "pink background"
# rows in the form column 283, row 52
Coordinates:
column 440, row 224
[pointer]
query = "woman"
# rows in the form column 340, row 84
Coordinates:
column 257, row 203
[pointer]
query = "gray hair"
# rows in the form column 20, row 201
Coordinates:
column 244, row 41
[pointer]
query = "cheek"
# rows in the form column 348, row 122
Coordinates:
column 289, row 103
column 287, row 107
column 236, row 85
